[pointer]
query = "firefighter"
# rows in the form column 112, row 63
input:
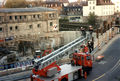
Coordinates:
column 85, row 49
column 92, row 45
column 89, row 46
column 76, row 50
column 90, row 30
column 83, row 31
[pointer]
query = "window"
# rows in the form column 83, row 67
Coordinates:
column 33, row 16
column 117, row 11
column 20, row 17
column 53, row 14
column 1, row 29
column 82, row 58
column 88, row 57
column 39, row 25
column 89, row 2
column 16, row 27
column 90, row 7
column 15, row 17
column 11, row 28
column 25, row 16
column 50, row 15
column 10, row 17
column 93, row 7
column 30, row 26
column 51, row 23
column 0, row 18
column 38, row 16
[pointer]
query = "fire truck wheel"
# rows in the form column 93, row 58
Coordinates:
column 64, row 79
column 85, row 75
column 72, row 63
column 79, row 74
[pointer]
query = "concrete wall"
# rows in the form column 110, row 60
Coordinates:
column 69, row 36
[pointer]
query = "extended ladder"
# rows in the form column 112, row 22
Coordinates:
column 60, row 53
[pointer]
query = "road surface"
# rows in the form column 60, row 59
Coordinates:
column 107, row 69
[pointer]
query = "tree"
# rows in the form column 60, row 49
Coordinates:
column 16, row 4
column 92, row 19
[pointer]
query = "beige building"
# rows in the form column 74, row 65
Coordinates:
column 30, row 24
column 101, row 8
column 117, row 7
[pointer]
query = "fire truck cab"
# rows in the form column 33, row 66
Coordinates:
column 82, row 59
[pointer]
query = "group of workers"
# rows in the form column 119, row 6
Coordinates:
column 88, row 48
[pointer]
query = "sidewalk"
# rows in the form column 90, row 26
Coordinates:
column 104, row 48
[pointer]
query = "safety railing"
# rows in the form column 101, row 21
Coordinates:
column 26, row 65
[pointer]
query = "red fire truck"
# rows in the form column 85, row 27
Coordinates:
column 46, row 68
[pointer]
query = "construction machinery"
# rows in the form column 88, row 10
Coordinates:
column 41, row 53
column 46, row 68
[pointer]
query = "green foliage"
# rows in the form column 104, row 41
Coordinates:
column 63, row 20
column 92, row 19
column 16, row 4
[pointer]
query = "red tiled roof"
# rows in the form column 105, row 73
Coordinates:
column 82, row 3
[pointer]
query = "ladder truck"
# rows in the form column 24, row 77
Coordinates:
column 46, row 68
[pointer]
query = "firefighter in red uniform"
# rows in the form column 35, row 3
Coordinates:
column 85, row 49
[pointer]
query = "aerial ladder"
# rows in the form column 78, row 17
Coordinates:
column 47, row 67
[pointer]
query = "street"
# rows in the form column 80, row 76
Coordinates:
column 109, row 68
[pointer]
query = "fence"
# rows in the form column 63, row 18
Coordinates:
column 27, row 65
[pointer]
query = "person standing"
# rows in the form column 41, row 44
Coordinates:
column 85, row 49
column 92, row 45
column 83, row 31
column 89, row 46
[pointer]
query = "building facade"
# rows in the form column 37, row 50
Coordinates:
column 117, row 7
column 55, row 5
column 34, row 23
column 74, row 12
column 100, row 8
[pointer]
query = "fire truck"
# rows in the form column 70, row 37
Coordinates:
column 39, row 53
column 46, row 68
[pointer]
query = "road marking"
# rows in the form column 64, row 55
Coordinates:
column 102, row 62
column 111, row 70
column 99, row 77
column 115, row 67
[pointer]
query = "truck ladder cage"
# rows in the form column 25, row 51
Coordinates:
column 59, row 53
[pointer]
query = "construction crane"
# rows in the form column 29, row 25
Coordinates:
column 46, row 69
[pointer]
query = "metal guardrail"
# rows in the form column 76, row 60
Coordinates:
column 20, row 66
column 24, row 65
column 16, row 65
